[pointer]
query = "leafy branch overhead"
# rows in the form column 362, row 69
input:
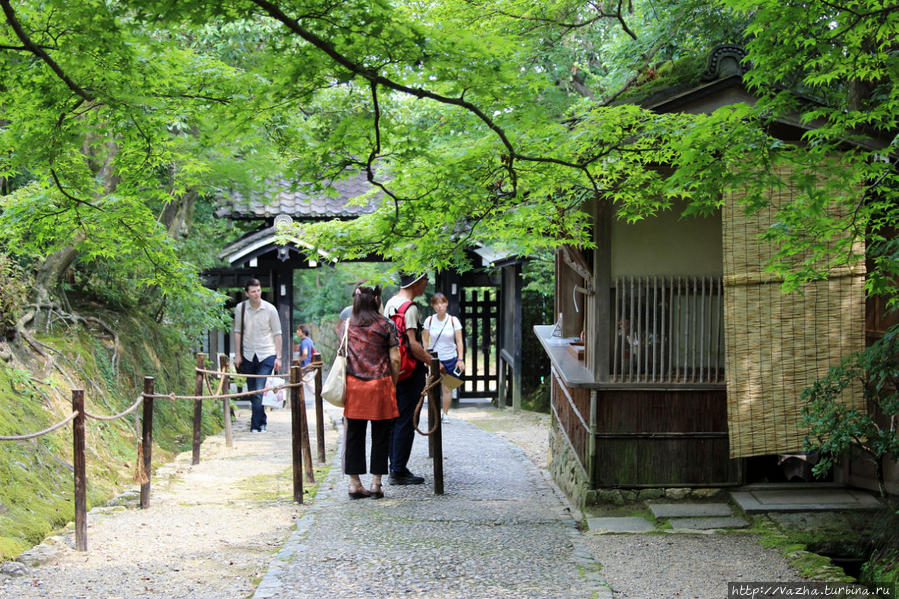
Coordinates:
column 476, row 121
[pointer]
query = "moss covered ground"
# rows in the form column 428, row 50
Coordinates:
column 37, row 490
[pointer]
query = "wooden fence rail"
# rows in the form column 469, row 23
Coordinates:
column 144, row 461
column 300, row 443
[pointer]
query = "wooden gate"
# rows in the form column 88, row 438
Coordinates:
column 479, row 308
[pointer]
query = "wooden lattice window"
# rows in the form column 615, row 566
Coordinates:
column 667, row 330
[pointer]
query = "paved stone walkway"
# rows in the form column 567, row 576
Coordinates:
column 501, row 530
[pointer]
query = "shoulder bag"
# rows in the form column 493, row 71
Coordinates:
column 449, row 319
column 334, row 388
column 243, row 312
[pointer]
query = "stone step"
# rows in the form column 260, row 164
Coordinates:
column 755, row 501
column 606, row 525
column 708, row 523
column 689, row 510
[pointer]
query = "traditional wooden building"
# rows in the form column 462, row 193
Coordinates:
column 677, row 361
column 487, row 299
column 256, row 254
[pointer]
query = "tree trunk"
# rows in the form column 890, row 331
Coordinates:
column 50, row 274
column 178, row 214
column 881, row 481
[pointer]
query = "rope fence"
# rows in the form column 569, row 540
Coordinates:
column 300, row 444
column 58, row 425
column 424, row 394
column 304, row 369
column 140, row 400
column 173, row 397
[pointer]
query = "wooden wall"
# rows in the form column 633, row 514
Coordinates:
column 663, row 438
column 571, row 408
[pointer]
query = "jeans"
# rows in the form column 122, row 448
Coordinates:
column 402, row 434
column 254, row 366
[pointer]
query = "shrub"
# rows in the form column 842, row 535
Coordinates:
column 835, row 428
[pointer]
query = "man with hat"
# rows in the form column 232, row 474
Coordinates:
column 409, row 389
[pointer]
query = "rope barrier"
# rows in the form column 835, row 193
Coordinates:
column 307, row 368
column 310, row 367
column 208, row 384
column 172, row 396
column 43, row 432
column 125, row 413
column 234, row 374
column 218, row 389
column 424, row 394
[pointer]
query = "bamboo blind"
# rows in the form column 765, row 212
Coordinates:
column 778, row 344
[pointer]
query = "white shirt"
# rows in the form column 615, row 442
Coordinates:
column 258, row 329
column 442, row 336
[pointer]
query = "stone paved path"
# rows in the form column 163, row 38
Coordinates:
column 501, row 530
column 218, row 530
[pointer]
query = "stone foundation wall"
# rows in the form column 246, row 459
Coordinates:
column 629, row 496
column 563, row 466
column 570, row 479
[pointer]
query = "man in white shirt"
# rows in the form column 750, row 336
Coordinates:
column 257, row 338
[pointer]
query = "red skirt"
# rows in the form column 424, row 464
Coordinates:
column 370, row 400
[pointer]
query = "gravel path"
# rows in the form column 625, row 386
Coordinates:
column 210, row 531
column 684, row 565
column 227, row 528
column 501, row 530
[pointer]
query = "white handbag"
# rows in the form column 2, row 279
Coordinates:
column 273, row 398
column 334, row 388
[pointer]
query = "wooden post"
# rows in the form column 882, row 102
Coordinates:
column 432, row 374
column 198, row 409
column 435, row 398
column 296, row 443
column 226, row 403
column 304, row 431
column 80, row 480
column 146, row 442
column 319, row 409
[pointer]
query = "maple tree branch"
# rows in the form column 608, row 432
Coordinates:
column 41, row 53
column 375, row 77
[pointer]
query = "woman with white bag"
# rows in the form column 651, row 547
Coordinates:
column 372, row 367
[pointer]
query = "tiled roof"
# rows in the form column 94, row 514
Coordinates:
column 299, row 201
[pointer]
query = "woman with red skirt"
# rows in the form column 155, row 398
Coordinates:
column 373, row 365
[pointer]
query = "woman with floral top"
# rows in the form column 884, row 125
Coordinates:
column 373, row 365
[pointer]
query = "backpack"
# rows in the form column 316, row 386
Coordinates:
column 408, row 363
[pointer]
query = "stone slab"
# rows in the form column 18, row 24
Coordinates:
column 708, row 523
column 619, row 524
column 689, row 510
column 803, row 500
column 840, row 522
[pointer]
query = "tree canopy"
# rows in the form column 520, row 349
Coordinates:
column 475, row 120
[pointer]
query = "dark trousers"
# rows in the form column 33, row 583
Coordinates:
column 402, row 433
column 354, row 446
column 254, row 366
